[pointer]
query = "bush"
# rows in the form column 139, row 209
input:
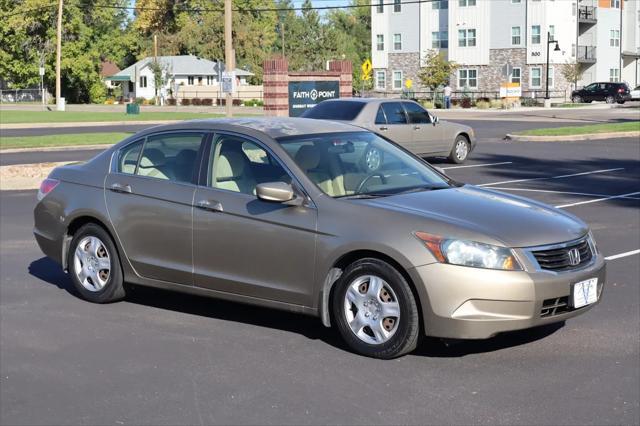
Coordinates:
column 496, row 103
column 483, row 104
column 252, row 102
column 207, row 102
column 110, row 101
column 185, row 102
column 465, row 103
column 196, row 101
column 98, row 92
column 139, row 101
column 235, row 102
column 428, row 104
column 529, row 102
column 484, row 99
column 438, row 104
column 172, row 102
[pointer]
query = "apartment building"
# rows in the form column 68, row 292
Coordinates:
column 485, row 37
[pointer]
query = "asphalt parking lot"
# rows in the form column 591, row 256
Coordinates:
column 166, row 358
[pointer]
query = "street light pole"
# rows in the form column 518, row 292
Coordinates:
column 556, row 49
column 228, row 51
column 59, row 105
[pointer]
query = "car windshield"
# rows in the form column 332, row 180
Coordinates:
column 359, row 165
column 335, row 110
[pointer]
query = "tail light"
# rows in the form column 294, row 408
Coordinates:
column 46, row 187
column 621, row 90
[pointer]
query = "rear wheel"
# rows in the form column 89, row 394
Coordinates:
column 576, row 99
column 94, row 265
column 610, row 99
column 460, row 150
column 375, row 310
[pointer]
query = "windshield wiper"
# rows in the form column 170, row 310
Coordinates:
column 421, row 188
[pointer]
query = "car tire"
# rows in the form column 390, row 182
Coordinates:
column 621, row 102
column 460, row 151
column 610, row 100
column 576, row 99
column 94, row 265
column 365, row 293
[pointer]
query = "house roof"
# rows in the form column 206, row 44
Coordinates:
column 108, row 68
column 177, row 65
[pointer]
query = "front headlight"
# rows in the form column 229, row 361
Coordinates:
column 469, row 253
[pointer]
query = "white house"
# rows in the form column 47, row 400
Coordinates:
column 185, row 76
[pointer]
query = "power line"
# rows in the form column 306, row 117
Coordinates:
column 35, row 9
column 239, row 9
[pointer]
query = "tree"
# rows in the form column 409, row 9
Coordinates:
column 572, row 72
column 437, row 70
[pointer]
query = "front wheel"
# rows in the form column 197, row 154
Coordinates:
column 576, row 99
column 94, row 265
column 375, row 310
column 460, row 150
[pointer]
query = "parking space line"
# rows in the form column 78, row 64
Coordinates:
column 585, row 194
column 597, row 200
column 552, row 177
column 625, row 254
column 477, row 165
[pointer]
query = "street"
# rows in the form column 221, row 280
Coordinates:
column 168, row 358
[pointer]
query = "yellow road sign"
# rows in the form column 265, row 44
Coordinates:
column 366, row 69
column 408, row 83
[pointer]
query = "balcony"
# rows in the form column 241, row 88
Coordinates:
column 586, row 54
column 587, row 15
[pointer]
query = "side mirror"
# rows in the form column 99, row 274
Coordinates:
column 435, row 120
column 277, row 192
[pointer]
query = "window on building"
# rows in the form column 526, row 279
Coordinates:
column 573, row 50
column 397, row 6
column 614, row 74
column 551, row 76
column 615, row 4
column 535, row 34
column 467, row 38
column 552, row 32
column 190, row 80
column 380, row 42
column 516, row 75
column 199, row 80
column 536, row 77
column 440, row 4
column 381, row 83
column 440, row 40
column 397, row 80
column 614, row 38
column 210, row 80
column 465, row 3
column 380, row 6
column 515, row 36
column 516, row 1
column 467, row 78
column 143, row 81
column 397, row 42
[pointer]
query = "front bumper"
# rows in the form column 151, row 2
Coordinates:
column 470, row 303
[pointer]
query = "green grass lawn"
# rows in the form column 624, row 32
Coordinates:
column 583, row 130
column 12, row 116
column 61, row 140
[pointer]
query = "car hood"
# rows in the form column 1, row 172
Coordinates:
column 492, row 216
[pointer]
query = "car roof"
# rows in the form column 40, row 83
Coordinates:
column 274, row 127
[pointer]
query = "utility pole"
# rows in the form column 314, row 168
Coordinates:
column 59, row 104
column 228, row 52
column 282, row 36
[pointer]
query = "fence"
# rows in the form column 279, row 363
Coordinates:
column 242, row 93
column 473, row 95
column 20, row 95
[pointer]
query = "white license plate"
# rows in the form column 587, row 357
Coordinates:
column 585, row 293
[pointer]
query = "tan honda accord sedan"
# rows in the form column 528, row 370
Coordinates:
column 319, row 218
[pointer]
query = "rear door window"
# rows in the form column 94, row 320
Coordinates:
column 394, row 113
column 335, row 110
column 380, row 118
column 170, row 156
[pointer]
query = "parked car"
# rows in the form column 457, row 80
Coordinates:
column 403, row 121
column 320, row 218
column 635, row 94
column 608, row 92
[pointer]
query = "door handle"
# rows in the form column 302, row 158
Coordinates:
column 416, row 127
column 119, row 187
column 210, row 205
column 384, row 128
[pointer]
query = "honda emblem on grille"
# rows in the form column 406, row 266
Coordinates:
column 574, row 256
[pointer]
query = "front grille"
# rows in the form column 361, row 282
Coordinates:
column 556, row 306
column 558, row 259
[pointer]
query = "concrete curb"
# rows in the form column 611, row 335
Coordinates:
column 572, row 138
column 56, row 148
column 17, row 126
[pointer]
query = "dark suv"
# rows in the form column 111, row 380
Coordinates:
column 608, row 92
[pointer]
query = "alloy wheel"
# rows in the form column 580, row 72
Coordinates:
column 92, row 263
